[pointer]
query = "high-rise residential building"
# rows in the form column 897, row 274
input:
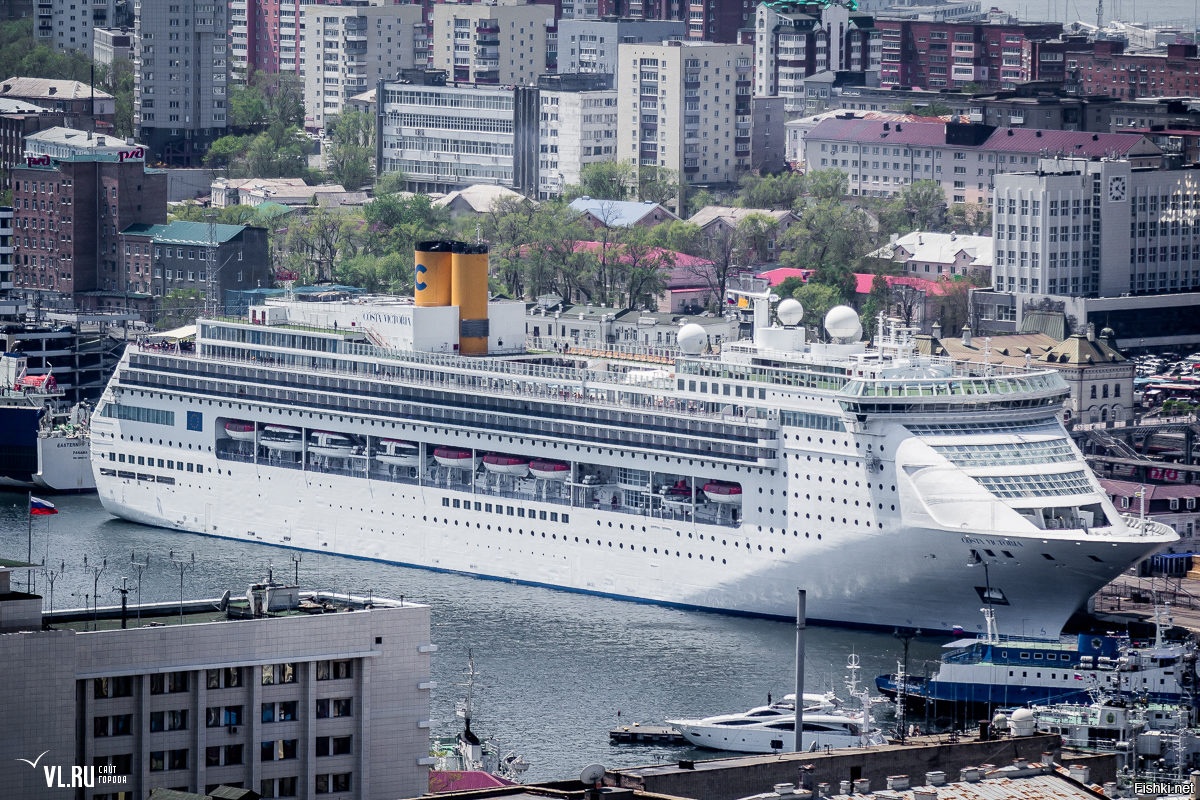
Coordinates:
column 590, row 45
column 69, row 209
column 66, row 25
column 686, row 106
column 349, row 49
column 577, row 126
column 802, row 40
column 9, row 305
column 503, row 45
column 443, row 137
column 953, row 55
column 181, row 77
column 257, row 694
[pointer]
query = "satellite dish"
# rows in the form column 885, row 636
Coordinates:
column 691, row 339
column 592, row 774
column 790, row 312
column 843, row 325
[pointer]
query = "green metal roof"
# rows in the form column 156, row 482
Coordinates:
column 194, row 233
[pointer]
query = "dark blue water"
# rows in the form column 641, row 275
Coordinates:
column 555, row 668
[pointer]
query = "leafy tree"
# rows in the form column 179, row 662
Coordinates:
column 608, row 180
column 876, row 302
column 390, row 273
column 179, row 307
column 322, row 240
column 680, row 236
column 920, row 206
column 658, row 185
column 972, row 218
column 641, row 268
column 788, row 286
column 699, row 199
column 755, row 232
column 508, row 229
column 827, row 184
column 117, row 80
column 771, row 191
column 390, row 183
column 350, row 155
column 247, row 107
column 828, row 237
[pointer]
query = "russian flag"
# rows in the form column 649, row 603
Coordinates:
column 1078, row 677
column 39, row 507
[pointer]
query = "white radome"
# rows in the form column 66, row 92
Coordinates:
column 790, row 312
column 842, row 324
column 692, row 339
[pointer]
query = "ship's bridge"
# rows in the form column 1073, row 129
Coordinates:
column 961, row 391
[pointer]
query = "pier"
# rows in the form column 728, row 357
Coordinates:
column 636, row 733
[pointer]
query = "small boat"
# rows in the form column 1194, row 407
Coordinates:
column 240, row 430
column 454, row 457
column 506, row 465
column 398, row 453
column 723, row 493
column 774, row 734
column 282, row 437
column 328, row 443
column 549, row 470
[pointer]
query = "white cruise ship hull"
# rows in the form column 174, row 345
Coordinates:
column 885, row 519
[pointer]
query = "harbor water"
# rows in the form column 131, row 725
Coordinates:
column 557, row 670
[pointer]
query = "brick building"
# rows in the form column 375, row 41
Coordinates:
column 19, row 119
column 68, row 213
column 1104, row 68
column 82, row 106
column 949, row 55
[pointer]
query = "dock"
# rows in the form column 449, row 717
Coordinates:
column 646, row 734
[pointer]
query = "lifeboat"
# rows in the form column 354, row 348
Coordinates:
column 282, row 437
column 549, row 470
column 679, row 494
column 506, row 465
column 724, row 493
column 327, row 443
column 454, row 457
column 240, row 430
column 398, row 453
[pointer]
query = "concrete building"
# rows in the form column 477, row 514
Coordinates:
column 949, row 55
column 497, row 45
column 258, row 694
column 768, row 135
column 68, row 212
column 181, row 78
column 806, row 39
column 192, row 257
column 685, row 106
column 18, row 120
column 348, row 49
column 63, row 143
column 600, row 213
column 266, row 35
column 932, row 255
column 82, row 106
column 720, row 223
column 590, row 45
column 10, row 306
column 66, row 25
column 881, row 157
column 578, row 126
column 446, row 137
column 112, row 45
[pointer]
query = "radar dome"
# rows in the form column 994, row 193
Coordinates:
column 790, row 312
column 842, row 324
column 692, row 339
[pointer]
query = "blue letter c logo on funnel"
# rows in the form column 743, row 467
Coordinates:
column 421, row 285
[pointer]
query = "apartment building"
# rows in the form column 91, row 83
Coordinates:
column 686, row 106
column 68, row 211
column 67, row 25
column 590, row 45
column 803, row 40
column 881, row 157
column 349, row 49
column 496, row 45
column 181, row 77
column 9, row 306
column 18, row 120
column 950, row 55
column 266, row 35
column 1104, row 68
column 259, row 695
column 82, row 106
column 112, row 45
column 577, row 126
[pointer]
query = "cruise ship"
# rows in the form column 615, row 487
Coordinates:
column 897, row 490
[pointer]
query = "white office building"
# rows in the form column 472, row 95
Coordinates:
column 349, row 49
column 685, row 106
column 288, row 694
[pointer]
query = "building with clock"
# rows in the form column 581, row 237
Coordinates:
column 1112, row 244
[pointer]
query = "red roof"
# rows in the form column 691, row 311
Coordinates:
column 864, row 280
column 463, row 780
column 780, row 274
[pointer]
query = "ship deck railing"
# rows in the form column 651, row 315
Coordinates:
column 484, row 486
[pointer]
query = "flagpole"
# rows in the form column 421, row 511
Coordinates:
column 29, row 551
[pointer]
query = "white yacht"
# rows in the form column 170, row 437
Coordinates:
column 773, row 735
column 897, row 489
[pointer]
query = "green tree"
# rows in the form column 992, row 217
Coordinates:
column 920, row 206
column 817, row 299
column 932, row 109
column 680, row 236
column 827, row 184
column 390, row 183
column 247, row 107
column 607, row 180
column 350, row 154
column 972, row 218
column 876, row 302
column 179, row 307
column 658, row 185
column 828, row 237
column 508, row 229
column 771, row 191
column 641, row 268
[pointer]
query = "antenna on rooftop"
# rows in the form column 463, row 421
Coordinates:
column 97, row 571
column 139, row 566
column 51, row 576
column 184, row 566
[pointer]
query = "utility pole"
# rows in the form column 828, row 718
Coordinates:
column 51, row 576
column 139, row 566
column 184, row 566
column 124, row 590
column 96, row 571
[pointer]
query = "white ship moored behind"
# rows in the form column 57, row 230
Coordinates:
column 898, row 490
column 43, row 443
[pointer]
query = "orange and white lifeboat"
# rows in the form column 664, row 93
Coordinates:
column 724, row 493
column 239, row 429
column 549, row 470
column 454, row 457
column 506, row 465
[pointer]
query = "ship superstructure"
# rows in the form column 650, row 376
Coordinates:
column 898, row 490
